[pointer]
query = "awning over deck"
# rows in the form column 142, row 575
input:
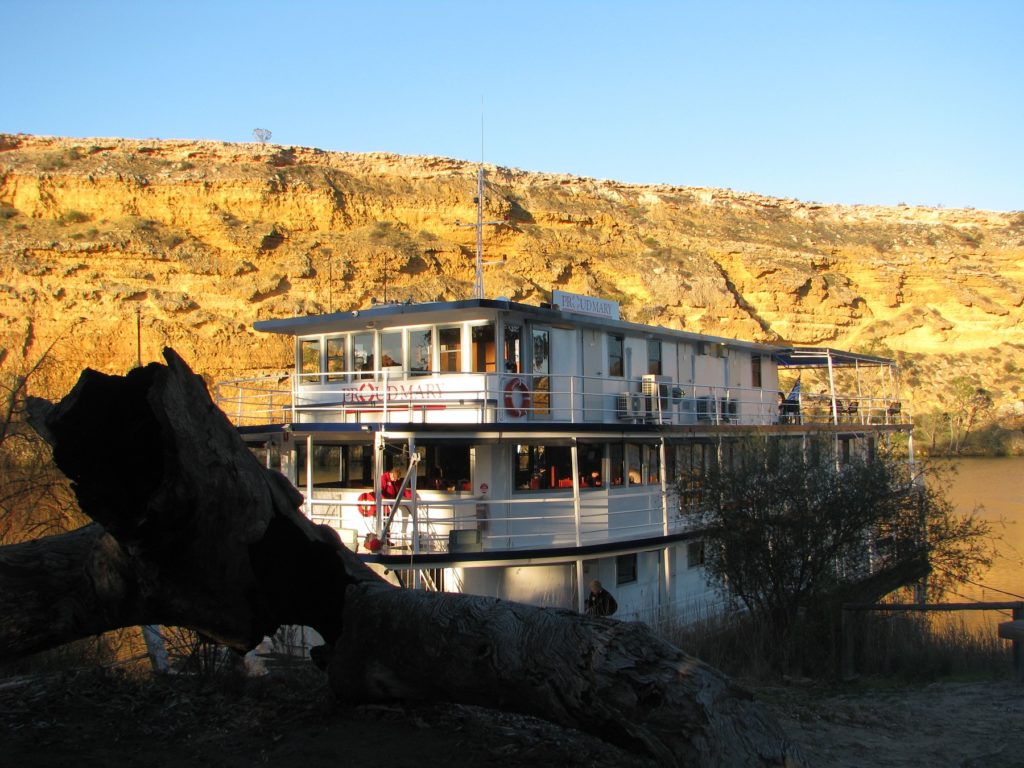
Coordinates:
column 823, row 357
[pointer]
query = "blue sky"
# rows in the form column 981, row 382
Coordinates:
column 851, row 102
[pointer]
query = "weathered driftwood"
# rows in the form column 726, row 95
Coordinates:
column 196, row 533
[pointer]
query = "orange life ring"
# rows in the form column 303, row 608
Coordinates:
column 368, row 504
column 516, row 388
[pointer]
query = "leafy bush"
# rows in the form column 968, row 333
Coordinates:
column 74, row 217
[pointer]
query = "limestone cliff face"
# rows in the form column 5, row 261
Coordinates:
column 196, row 240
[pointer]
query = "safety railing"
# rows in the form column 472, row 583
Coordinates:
column 388, row 396
column 524, row 521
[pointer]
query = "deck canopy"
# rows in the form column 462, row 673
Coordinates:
column 823, row 357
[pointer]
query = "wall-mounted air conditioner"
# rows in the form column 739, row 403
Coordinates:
column 630, row 406
column 657, row 391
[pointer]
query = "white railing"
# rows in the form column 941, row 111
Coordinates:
column 385, row 396
column 527, row 520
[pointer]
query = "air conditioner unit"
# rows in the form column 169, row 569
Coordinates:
column 657, row 391
column 629, row 406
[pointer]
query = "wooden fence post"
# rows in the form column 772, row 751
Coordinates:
column 1018, row 647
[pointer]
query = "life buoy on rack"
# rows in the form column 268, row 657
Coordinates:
column 367, row 504
column 517, row 397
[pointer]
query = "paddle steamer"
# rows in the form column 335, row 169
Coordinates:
column 519, row 451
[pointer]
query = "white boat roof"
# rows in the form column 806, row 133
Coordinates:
column 453, row 311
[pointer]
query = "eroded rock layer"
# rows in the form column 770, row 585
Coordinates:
column 117, row 248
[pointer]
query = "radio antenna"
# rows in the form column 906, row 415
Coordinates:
column 478, row 285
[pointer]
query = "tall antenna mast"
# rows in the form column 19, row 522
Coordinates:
column 478, row 285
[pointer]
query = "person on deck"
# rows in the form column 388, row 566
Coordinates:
column 600, row 601
column 390, row 482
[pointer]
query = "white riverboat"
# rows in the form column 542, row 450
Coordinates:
column 536, row 447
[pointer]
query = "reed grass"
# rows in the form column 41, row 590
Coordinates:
column 909, row 648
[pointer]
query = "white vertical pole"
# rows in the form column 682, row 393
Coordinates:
column 378, row 470
column 580, row 586
column 662, row 453
column 309, row 476
column 416, row 579
column 832, row 386
column 574, row 453
column 478, row 287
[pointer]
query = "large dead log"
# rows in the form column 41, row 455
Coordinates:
column 196, row 533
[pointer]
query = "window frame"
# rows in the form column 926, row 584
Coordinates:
column 654, row 362
column 616, row 361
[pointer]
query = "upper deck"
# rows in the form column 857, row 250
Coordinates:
column 499, row 362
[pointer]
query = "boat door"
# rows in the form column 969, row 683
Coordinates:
column 593, row 375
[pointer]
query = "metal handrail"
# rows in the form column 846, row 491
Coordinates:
column 556, row 398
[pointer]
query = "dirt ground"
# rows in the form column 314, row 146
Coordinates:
column 103, row 719
column 967, row 725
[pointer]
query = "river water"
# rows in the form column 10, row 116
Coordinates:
column 996, row 486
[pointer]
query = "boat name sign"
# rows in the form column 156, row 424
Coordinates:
column 585, row 305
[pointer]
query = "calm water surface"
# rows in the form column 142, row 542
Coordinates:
column 997, row 486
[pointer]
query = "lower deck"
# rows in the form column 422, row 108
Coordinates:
column 524, row 515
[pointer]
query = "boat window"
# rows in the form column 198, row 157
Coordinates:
column 755, row 371
column 694, row 460
column 483, row 348
column 634, row 465
column 450, row 341
column 615, row 463
column 539, row 467
column 336, row 358
column 695, row 554
column 541, row 368
column 362, row 354
column 654, row 356
column 513, row 340
column 420, row 351
column 591, row 465
column 327, row 465
column 625, row 569
column 651, row 464
column 443, row 468
column 391, row 350
column 309, row 359
column 615, row 356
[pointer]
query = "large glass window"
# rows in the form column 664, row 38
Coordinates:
column 443, row 468
column 543, row 466
column 483, row 349
column 390, row 350
column 643, row 464
column 309, row 360
column 541, row 369
column 362, row 354
column 346, row 466
column 615, row 356
column 336, row 358
column 654, row 356
column 450, row 342
column 420, row 351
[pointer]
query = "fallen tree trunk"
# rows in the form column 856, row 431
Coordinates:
column 196, row 533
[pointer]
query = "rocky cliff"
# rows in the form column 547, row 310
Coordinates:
column 105, row 243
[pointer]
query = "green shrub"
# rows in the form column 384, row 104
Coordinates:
column 74, row 217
